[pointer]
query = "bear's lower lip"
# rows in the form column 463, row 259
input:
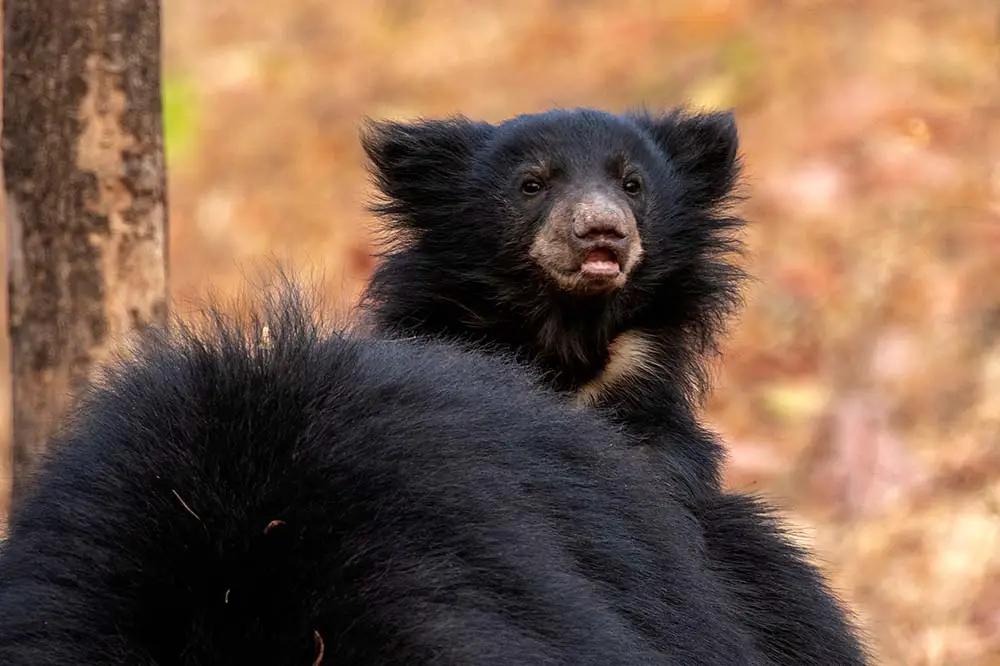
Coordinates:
column 600, row 263
column 600, row 268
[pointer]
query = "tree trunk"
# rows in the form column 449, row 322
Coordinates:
column 85, row 185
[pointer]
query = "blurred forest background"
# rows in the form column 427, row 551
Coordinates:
column 861, row 387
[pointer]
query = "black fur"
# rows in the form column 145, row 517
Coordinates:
column 435, row 507
column 457, row 265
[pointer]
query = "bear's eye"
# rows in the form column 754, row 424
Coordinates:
column 632, row 186
column 531, row 187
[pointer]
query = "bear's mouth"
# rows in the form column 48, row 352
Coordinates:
column 601, row 263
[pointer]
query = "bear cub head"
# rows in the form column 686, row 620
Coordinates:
column 553, row 233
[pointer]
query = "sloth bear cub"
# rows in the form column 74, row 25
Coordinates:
column 293, row 496
column 592, row 245
column 596, row 247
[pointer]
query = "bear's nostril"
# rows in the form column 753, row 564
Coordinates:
column 599, row 232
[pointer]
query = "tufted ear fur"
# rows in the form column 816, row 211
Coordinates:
column 420, row 167
column 702, row 147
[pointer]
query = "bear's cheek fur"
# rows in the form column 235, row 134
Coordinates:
column 549, row 243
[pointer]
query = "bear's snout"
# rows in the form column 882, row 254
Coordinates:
column 600, row 223
column 588, row 243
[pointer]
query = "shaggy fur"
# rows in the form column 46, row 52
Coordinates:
column 295, row 497
column 467, row 205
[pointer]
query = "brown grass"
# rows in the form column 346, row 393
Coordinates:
column 862, row 386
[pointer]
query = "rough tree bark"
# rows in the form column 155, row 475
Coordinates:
column 85, row 185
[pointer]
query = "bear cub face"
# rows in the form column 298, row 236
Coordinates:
column 575, row 197
column 554, row 233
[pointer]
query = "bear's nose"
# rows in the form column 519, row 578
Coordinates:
column 599, row 222
column 598, row 230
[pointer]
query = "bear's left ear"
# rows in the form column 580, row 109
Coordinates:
column 420, row 167
column 702, row 147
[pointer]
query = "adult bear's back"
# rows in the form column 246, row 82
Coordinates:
column 229, row 499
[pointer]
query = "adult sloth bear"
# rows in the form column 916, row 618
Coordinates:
column 293, row 496
column 594, row 246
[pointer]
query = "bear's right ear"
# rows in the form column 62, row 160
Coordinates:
column 420, row 167
column 703, row 147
